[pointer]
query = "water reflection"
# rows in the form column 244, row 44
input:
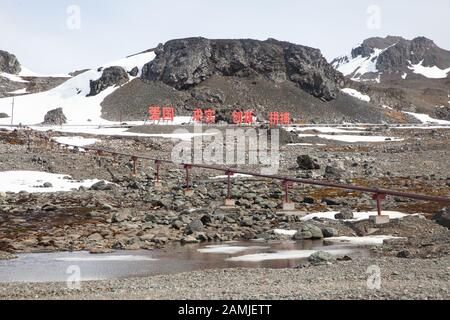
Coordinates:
column 47, row 267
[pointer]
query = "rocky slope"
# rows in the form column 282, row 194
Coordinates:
column 15, row 80
column 409, row 75
column 243, row 74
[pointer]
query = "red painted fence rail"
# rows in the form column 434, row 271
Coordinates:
column 378, row 193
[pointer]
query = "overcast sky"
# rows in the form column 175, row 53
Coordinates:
column 49, row 36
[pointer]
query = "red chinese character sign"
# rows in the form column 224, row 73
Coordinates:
column 206, row 116
column 168, row 114
column 154, row 113
column 279, row 118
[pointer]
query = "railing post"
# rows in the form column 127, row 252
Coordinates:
column 229, row 202
column 188, row 192
column 134, row 159
column 287, row 205
column 158, row 165
column 379, row 218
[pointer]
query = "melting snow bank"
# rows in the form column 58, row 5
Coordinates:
column 352, row 138
column 368, row 240
column 224, row 249
column 76, row 141
column 358, row 216
column 356, row 94
column 33, row 182
column 116, row 131
column 285, row 232
column 285, row 255
column 424, row 118
column 236, row 175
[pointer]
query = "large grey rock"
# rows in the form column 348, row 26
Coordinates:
column 112, row 76
column 55, row 117
column 320, row 257
column 443, row 217
column 185, row 63
column 305, row 162
column 194, row 226
column 9, row 63
column 308, row 231
column 344, row 214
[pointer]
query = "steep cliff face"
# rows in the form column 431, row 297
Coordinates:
column 186, row 63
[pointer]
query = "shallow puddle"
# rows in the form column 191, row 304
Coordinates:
column 63, row 266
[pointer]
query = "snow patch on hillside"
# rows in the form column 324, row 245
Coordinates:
column 356, row 94
column 429, row 72
column 424, row 118
column 70, row 96
column 359, row 66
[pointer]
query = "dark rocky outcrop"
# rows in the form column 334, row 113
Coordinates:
column 9, row 63
column 55, row 117
column 185, row 63
column 111, row 76
column 305, row 162
column 443, row 217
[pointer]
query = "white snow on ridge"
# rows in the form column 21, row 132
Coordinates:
column 20, row 91
column 12, row 77
column 359, row 66
column 356, row 94
column 71, row 96
column 25, row 72
column 32, row 181
column 424, row 118
column 429, row 72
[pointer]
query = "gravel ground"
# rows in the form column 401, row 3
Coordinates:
column 400, row 279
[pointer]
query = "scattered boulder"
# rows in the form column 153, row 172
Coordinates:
column 329, row 232
column 134, row 72
column 305, row 162
column 55, row 117
column 309, row 231
column 344, row 214
column 194, row 226
column 333, row 172
column 189, row 239
column 320, row 257
column 443, row 217
column 101, row 185
column 120, row 216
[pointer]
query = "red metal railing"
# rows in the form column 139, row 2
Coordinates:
column 379, row 194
